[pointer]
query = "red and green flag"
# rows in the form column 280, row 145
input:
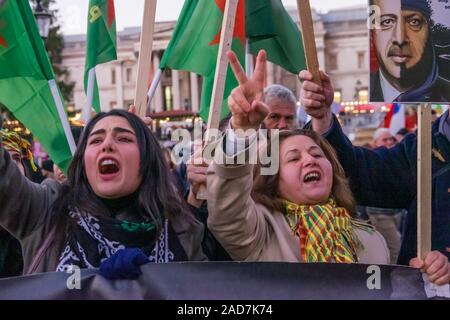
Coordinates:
column 27, row 82
column 195, row 41
column 101, row 46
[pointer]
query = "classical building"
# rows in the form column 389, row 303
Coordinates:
column 342, row 44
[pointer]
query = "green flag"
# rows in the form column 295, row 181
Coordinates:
column 101, row 46
column 271, row 28
column 27, row 82
column 265, row 23
column 195, row 42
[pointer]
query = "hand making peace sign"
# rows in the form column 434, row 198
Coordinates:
column 245, row 101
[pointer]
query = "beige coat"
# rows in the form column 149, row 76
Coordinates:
column 250, row 232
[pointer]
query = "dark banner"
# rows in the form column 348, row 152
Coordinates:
column 227, row 281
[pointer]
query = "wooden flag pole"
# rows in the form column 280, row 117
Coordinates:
column 145, row 57
column 309, row 42
column 226, row 39
column 424, row 179
column 248, row 60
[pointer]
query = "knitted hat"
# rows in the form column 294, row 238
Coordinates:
column 417, row 5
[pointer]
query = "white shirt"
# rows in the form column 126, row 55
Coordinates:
column 390, row 93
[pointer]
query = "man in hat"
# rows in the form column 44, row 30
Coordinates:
column 408, row 70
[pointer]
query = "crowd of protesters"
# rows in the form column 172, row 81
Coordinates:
column 125, row 202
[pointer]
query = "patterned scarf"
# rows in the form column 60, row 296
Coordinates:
column 325, row 232
column 96, row 239
column 13, row 142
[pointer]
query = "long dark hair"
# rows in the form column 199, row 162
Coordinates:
column 156, row 196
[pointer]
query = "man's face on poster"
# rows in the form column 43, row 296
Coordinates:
column 402, row 38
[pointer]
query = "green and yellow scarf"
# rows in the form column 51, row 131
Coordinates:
column 325, row 232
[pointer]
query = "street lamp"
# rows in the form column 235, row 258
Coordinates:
column 43, row 19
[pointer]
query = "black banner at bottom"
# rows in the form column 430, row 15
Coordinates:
column 227, row 281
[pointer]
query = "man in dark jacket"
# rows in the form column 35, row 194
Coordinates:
column 387, row 177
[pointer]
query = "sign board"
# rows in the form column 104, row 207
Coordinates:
column 409, row 51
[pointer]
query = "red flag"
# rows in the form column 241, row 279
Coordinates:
column 3, row 42
column 239, row 25
column 111, row 14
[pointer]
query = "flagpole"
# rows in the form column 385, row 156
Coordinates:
column 424, row 181
column 87, row 110
column 309, row 42
column 248, row 60
column 226, row 39
column 154, row 86
column 62, row 115
column 145, row 56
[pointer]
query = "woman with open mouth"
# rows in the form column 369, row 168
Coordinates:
column 118, row 195
column 300, row 214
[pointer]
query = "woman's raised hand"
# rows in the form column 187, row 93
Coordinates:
column 246, row 101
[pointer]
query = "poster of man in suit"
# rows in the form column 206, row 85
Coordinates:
column 410, row 51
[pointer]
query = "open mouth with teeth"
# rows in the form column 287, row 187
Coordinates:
column 108, row 166
column 312, row 177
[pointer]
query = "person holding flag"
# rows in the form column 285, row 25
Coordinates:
column 264, row 217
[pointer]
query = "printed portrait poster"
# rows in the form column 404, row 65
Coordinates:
column 409, row 51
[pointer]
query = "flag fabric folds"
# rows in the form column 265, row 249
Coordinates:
column 195, row 41
column 27, row 82
column 270, row 27
column 101, row 45
column 395, row 118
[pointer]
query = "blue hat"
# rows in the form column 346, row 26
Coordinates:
column 418, row 5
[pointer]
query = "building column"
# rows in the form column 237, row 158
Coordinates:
column 270, row 73
column 119, row 86
column 195, row 104
column 176, row 90
column 157, row 101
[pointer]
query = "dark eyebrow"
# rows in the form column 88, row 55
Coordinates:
column 390, row 15
column 415, row 15
column 116, row 129
column 99, row 131
column 121, row 130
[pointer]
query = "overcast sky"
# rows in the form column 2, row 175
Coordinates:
column 72, row 14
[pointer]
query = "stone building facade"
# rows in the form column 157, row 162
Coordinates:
column 342, row 45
